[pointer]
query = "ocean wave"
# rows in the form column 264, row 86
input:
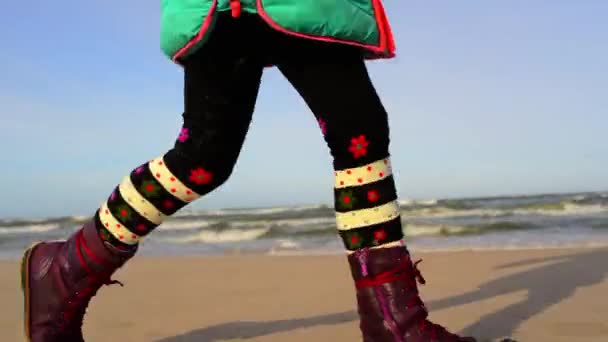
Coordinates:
column 226, row 233
column 511, row 202
column 565, row 208
column 412, row 202
column 294, row 225
column 261, row 211
column 437, row 212
column 420, row 230
column 35, row 228
column 444, row 217
column 184, row 225
column 545, row 205
column 220, row 236
column 62, row 220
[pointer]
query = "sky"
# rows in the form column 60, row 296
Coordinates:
column 485, row 98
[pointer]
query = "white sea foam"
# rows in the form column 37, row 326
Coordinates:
column 184, row 225
column 259, row 211
column 36, row 228
column 417, row 230
column 223, row 236
column 569, row 209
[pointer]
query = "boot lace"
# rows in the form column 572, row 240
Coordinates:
column 409, row 272
column 73, row 315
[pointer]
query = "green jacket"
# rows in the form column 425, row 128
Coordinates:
column 186, row 24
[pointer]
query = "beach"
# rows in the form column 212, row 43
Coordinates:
column 550, row 294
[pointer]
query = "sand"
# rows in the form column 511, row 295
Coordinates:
column 536, row 295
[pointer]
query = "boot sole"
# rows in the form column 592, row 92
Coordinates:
column 25, row 287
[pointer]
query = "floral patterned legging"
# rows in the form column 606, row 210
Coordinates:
column 221, row 86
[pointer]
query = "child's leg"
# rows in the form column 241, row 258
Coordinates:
column 60, row 277
column 334, row 82
column 355, row 126
column 220, row 94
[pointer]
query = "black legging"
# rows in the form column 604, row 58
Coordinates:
column 222, row 80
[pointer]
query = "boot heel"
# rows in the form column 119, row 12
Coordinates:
column 25, row 287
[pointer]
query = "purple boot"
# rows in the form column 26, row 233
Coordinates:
column 59, row 278
column 389, row 304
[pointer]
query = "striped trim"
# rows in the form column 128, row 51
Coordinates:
column 365, row 196
column 125, row 213
column 365, row 174
column 172, row 185
column 205, row 26
column 398, row 243
column 116, row 228
column 139, row 203
column 367, row 217
column 384, row 39
column 374, row 235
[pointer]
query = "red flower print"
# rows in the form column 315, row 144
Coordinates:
column 354, row 240
column 105, row 235
column 141, row 227
column 149, row 188
column 168, row 204
column 183, row 135
column 372, row 195
column 323, row 126
column 379, row 235
column 358, row 146
column 200, row 176
column 347, row 200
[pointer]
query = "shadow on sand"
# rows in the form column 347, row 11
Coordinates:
column 554, row 280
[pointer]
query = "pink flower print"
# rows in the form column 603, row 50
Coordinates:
column 113, row 195
column 139, row 170
column 323, row 126
column 184, row 135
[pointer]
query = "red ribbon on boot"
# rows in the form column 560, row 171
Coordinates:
column 398, row 273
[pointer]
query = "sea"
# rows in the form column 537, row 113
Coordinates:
column 508, row 222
